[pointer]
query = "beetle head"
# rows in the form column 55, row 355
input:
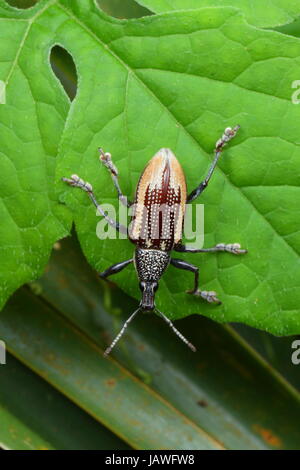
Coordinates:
column 148, row 289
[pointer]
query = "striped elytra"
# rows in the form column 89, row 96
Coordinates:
column 158, row 212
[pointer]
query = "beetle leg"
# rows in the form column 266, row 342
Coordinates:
column 180, row 335
column 234, row 248
column 220, row 144
column 209, row 296
column 76, row 181
column 105, row 158
column 115, row 268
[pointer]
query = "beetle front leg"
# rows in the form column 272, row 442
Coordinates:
column 115, row 268
column 234, row 248
column 226, row 137
column 209, row 296
column 105, row 158
column 77, row 182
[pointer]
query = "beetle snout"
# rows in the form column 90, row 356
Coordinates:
column 148, row 292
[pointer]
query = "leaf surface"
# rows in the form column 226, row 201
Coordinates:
column 31, row 124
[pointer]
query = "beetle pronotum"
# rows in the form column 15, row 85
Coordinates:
column 162, row 184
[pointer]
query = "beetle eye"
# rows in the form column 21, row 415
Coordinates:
column 155, row 286
column 142, row 285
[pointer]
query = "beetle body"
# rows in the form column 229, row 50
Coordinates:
column 157, row 224
column 157, row 220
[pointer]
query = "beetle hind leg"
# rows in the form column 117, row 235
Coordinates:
column 209, row 296
column 234, row 248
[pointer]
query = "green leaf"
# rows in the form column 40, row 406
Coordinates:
column 174, row 80
column 266, row 14
column 31, row 124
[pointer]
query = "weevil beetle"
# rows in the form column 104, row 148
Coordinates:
column 162, row 183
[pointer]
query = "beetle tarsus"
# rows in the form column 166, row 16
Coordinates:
column 209, row 296
column 106, row 160
column 228, row 134
column 234, row 248
column 78, row 182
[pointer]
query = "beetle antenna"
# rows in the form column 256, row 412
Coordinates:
column 190, row 345
column 120, row 334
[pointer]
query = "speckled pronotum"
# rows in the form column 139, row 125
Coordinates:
column 157, row 223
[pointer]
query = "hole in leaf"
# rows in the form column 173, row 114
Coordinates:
column 63, row 66
column 21, row 4
column 123, row 8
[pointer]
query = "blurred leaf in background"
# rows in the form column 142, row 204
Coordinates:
column 159, row 395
